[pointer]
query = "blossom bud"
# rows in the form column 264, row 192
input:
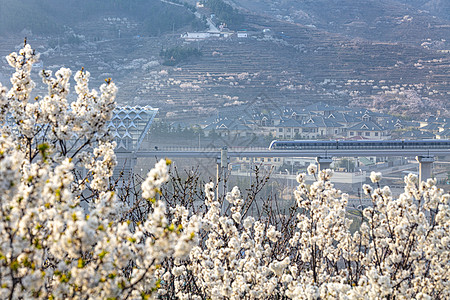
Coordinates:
column 375, row 177
column 301, row 177
column 312, row 169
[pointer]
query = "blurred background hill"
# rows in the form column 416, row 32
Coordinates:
column 53, row 17
column 375, row 54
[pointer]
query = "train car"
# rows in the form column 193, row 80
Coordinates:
column 362, row 144
column 302, row 145
column 426, row 144
column 370, row 144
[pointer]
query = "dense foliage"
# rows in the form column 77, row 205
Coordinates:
column 164, row 18
column 66, row 234
column 225, row 13
column 162, row 129
column 53, row 17
column 175, row 55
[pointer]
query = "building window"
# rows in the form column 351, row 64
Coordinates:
column 376, row 133
column 296, row 130
column 288, row 130
column 367, row 133
column 280, row 129
column 359, row 132
column 352, row 133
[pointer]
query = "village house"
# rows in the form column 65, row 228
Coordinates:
column 431, row 127
column 195, row 36
column 242, row 34
column 228, row 128
column 393, row 124
column 433, row 120
column 267, row 163
column 416, row 135
column 368, row 130
column 443, row 135
column 296, row 114
column 287, row 129
column 325, row 109
column 368, row 115
column 326, row 127
column 322, row 121
column 344, row 119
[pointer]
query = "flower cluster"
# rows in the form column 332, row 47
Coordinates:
column 236, row 259
column 401, row 249
column 52, row 246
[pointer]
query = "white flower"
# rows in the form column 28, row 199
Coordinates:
column 312, row 169
column 375, row 177
column 301, row 177
column 367, row 189
column 248, row 222
column 155, row 178
column 273, row 234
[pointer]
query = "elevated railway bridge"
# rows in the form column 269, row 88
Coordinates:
column 324, row 151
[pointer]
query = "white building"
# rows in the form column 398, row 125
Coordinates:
column 242, row 34
column 195, row 36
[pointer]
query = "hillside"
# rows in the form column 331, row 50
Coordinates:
column 282, row 62
column 375, row 20
column 53, row 17
column 300, row 65
column 439, row 8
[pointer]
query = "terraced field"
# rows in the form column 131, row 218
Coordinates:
column 300, row 65
column 292, row 65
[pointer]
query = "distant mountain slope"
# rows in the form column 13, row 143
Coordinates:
column 16, row 16
column 403, row 21
column 282, row 61
column 439, row 8
column 47, row 17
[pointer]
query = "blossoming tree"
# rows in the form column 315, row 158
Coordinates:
column 401, row 250
column 65, row 234
column 51, row 247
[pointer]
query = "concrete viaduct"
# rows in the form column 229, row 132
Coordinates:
column 425, row 157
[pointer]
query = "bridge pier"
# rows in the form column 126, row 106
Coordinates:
column 222, row 167
column 219, row 173
column 425, row 166
column 324, row 162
